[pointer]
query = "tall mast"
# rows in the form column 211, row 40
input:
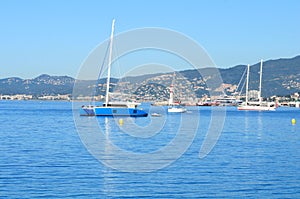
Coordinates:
column 109, row 62
column 247, row 83
column 171, row 100
column 260, row 80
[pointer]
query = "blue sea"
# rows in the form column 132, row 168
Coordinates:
column 48, row 151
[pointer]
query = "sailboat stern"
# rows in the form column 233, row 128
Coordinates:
column 87, row 111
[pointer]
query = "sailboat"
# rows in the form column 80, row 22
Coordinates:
column 260, row 106
column 174, row 107
column 112, row 108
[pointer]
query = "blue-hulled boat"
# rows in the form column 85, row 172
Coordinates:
column 113, row 108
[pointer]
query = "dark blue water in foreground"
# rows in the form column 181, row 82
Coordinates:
column 42, row 155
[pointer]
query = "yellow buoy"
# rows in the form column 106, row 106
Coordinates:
column 293, row 121
column 121, row 121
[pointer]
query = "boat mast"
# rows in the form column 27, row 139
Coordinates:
column 171, row 100
column 260, row 80
column 247, row 84
column 109, row 62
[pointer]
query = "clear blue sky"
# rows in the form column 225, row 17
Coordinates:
column 55, row 36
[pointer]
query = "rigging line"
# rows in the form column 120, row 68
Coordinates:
column 242, row 88
column 118, row 70
column 100, row 72
column 241, row 80
column 123, row 86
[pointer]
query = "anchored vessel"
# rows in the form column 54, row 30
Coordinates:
column 113, row 108
column 174, row 107
column 254, row 106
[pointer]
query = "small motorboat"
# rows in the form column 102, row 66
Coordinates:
column 156, row 115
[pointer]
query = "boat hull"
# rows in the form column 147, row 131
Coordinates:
column 156, row 115
column 176, row 110
column 256, row 108
column 112, row 111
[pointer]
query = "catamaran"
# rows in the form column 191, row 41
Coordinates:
column 113, row 108
column 254, row 106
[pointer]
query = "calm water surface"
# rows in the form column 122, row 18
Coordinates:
column 42, row 156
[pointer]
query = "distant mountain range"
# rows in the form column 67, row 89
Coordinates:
column 280, row 77
column 39, row 86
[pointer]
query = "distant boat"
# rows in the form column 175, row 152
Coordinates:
column 227, row 101
column 112, row 108
column 254, row 106
column 156, row 115
column 174, row 107
column 207, row 103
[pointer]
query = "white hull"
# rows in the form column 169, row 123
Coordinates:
column 176, row 110
column 256, row 108
column 156, row 115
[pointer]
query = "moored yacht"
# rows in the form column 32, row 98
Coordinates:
column 253, row 106
column 112, row 108
column 174, row 107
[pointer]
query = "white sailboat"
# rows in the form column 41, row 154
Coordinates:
column 174, row 107
column 254, row 106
